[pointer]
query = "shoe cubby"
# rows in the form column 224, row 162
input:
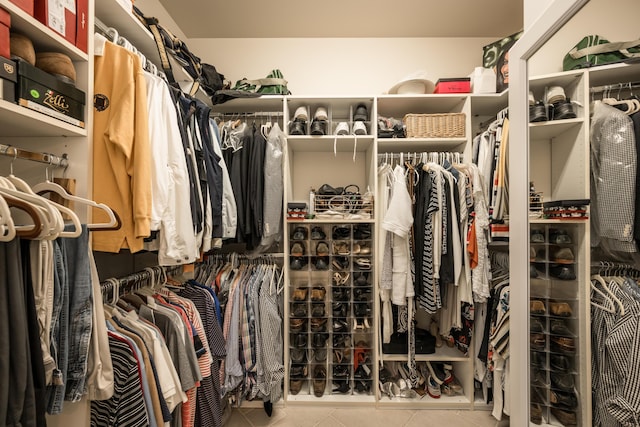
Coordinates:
column 331, row 308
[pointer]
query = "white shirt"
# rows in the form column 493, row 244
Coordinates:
column 170, row 201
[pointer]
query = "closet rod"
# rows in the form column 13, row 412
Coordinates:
column 50, row 159
column 126, row 282
column 616, row 86
column 256, row 114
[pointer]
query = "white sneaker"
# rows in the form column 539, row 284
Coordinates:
column 302, row 114
column 321, row 114
column 555, row 94
column 342, row 128
column 359, row 128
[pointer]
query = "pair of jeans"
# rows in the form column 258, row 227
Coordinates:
column 72, row 322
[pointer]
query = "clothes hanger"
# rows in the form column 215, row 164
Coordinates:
column 21, row 185
column 7, row 228
column 35, row 214
column 608, row 296
column 50, row 187
column 51, row 218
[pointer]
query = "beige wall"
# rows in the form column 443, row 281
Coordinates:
column 341, row 66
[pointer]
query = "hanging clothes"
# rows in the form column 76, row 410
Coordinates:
column 121, row 148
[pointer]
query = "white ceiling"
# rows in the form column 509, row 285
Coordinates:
column 345, row 18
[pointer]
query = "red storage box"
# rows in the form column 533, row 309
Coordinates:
column 82, row 24
column 26, row 5
column 58, row 17
column 455, row 85
column 5, row 24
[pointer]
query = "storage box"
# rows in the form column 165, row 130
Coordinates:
column 43, row 92
column 440, row 125
column 5, row 25
column 82, row 24
column 59, row 15
column 8, row 79
column 455, row 85
column 26, row 5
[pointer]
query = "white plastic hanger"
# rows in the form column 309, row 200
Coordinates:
column 52, row 219
column 609, row 297
column 51, row 187
column 7, row 228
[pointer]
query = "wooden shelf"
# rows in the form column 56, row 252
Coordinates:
column 17, row 121
column 43, row 37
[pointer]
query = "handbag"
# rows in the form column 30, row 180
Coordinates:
column 594, row 50
column 273, row 84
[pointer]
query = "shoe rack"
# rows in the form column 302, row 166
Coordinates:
column 331, row 342
column 559, row 336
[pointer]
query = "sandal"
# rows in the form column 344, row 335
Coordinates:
column 363, row 263
column 341, row 278
column 340, row 248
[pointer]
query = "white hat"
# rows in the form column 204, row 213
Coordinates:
column 414, row 83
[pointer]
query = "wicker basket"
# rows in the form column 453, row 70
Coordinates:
column 448, row 125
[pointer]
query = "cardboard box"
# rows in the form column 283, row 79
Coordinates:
column 82, row 24
column 26, row 5
column 47, row 94
column 8, row 79
column 5, row 25
column 59, row 15
column 455, row 85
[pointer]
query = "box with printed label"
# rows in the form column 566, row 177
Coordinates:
column 59, row 15
column 5, row 25
column 26, row 5
column 43, row 92
column 8, row 79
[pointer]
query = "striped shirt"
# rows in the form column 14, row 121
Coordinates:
column 126, row 408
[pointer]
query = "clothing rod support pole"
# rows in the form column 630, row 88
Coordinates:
column 47, row 158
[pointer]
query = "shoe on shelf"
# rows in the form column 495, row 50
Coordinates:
column 537, row 341
column 563, row 344
column 565, row 400
column 559, row 327
column 538, row 112
column 301, row 114
column 321, row 114
column 537, row 307
column 319, row 380
column 297, row 324
column 535, row 325
column 318, row 324
column 317, row 233
column 564, row 256
column 297, row 263
column 298, row 355
column 297, row 128
column 562, row 271
column 359, row 128
column 536, row 413
column 321, row 263
column 342, row 128
column 318, row 293
column 561, row 381
column 559, row 237
column 300, row 294
column 563, row 110
column 322, row 249
column 318, row 127
column 317, row 310
column 360, row 114
column 555, row 94
column 567, row 418
column 560, row 363
column 295, row 385
column 533, row 272
column 433, row 388
column 537, row 236
column 561, row 309
column 299, row 233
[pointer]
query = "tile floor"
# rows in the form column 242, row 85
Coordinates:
column 325, row 416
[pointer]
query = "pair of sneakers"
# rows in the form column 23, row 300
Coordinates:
column 318, row 124
column 359, row 128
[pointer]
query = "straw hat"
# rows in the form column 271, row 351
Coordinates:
column 414, row 83
column 58, row 64
column 22, row 47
